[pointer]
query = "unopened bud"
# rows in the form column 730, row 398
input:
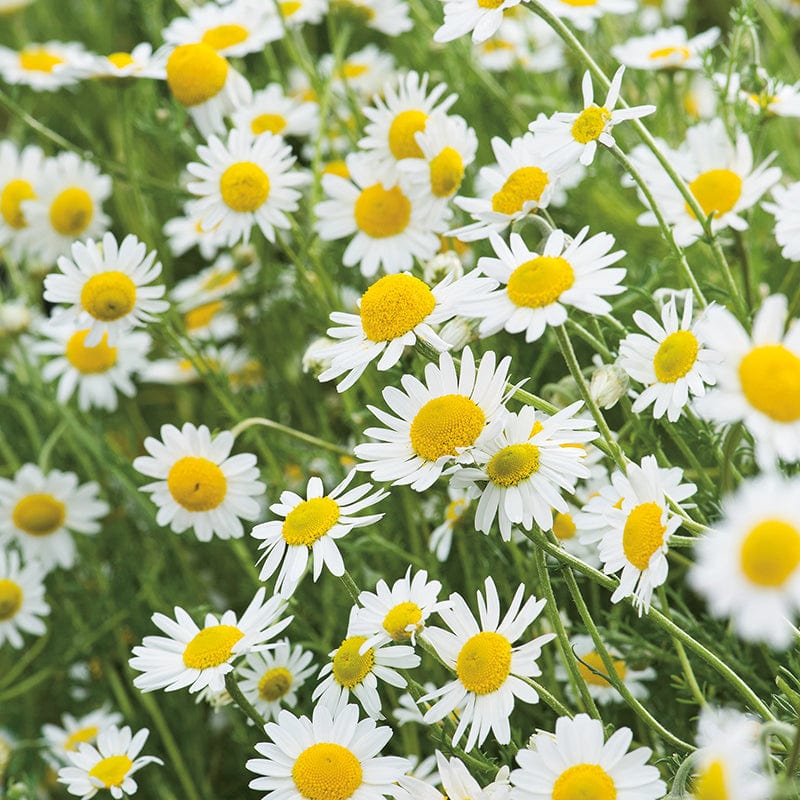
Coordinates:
column 15, row 318
column 442, row 265
column 609, row 383
column 315, row 360
column 459, row 332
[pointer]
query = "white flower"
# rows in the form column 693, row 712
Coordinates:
column 442, row 536
column 21, row 173
column 390, row 17
column 667, row 48
column 188, row 231
column 463, row 16
column 271, row 111
column 140, row 62
column 786, row 210
column 66, row 738
column 22, row 603
column 45, row 67
column 584, row 15
column 364, row 72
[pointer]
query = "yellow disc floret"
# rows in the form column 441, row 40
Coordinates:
column 39, row 514
column 211, row 646
column 710, row 784
column 349, row 667
column 564, row 526
column 72, row 211
column 590, row 124
column 39, row 60
column 381, row 213
column 196, row 73
column 593, row 664
column 268, row 123
column 675, row 356
column 90, row 360
column 584, row 782
column 274, row 684
column 120, row 60
column 540, row 281
column 444, row 424
column 88, row 734
column 244, row 186
column 395, row 305
column 396, row 622
column 309, row 521
column 770, row 553
column 643, row 534
column 290, row 7
column 223, row 36
column 523, row 185
column 10, row 598
column 111, row 770
column 402, row 131
column 484, row 662
column 513, row 464
column 108, row 296
column 716, row 191
column 447, row 172
column 13, row 194
column 770, row 378
column 201, row 316
column 490, row 3
column 326, row 771
column 667, row 52
column 197, row 484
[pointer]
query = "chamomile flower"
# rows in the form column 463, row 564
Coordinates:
column 463, row 16
column 188, row 231
column 776, row 98
column 310, row 528
column 388, row 225
column 202, row 657
column 245, row 182
column 488, row 666
column 395, row 614
column 574, row 137
column 140, row 62
column 748, row 566
column 525, row 468
column 302, row 12
column 436, row 422
column 720, row 175
column 68, row 207
column 393, row 313
column 271, row 111
column 21, row 172
column 355, row 667
column 271, row 679
column 44, row 67
column 212, row 283
column 456, row 781
column 66, row 738
column 634, row 535
column 364, row 72
column 106, row 287
column 787, row 219
column 758, row 378
column 442, row 535
column 536, row 290
column 332, row 755
column 210, row 321
column 668, row 48
column 200, row 484
column 577, row 762
column 22, row 603
column 407, row 709
column 390, row 17
column 98, row 373
column 585, row 15
column 39, row 510
column 671, row 361
column 108, row 766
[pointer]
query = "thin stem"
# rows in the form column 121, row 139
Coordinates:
column 350, row 585
column 244, row 704
column 550, row 699
column 276, row 426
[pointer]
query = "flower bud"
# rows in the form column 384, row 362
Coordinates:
column 609, row 383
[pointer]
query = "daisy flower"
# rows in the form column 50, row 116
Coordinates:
column 271, row 111
column 536, row 290
column 490, row 670
column 245, row 182
column 20, row 178
column 393, row 313
column 456, row 781
column 202, row 80
column 270, row 679
column 668, row 48
column 525, row 467
column 787, row 219
column 390, row 17
column 67, row 207
column 330, row 755
column 210, row 321
column 593, row 671
column 585, row 15
column 391, row 226
column 202, row 657
column 44, row 67
column 299, row 12
column 66, row 738
column 778, row 99
column 140, row 62
column 574, row 137
column 310, row 528
column 22, row 603
column 435, row 422
column 634, row 535
column 105, row 285
column 38, row 510
column 748, row 567
column 757, row 378
column 188, row 231
column 98, row 373
column 212, row 283
column 108, row 766
column 565, row 529
column 671, row 361
column 200, row 484
column 441, row 539
column 355, row 667
column 522, row 181
column 719, row 174
column 577, row 762
column 364, row 72
column 407, row 710
column 395, row 614
column 463, row 16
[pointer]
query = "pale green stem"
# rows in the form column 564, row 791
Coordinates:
column 681, row 779
column 276, row 426
column 350, row 585
column 244, row 704
column 549, row 699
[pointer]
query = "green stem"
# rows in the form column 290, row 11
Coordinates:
column 276, row 426
column 244, row 704
column 550, row 699
column 350, row 585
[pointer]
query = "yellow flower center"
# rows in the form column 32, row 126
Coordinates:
column 211, row 646
column 326, row 771
column 395, row 305
column 564, row 526
column 484, row 662
column 666, row 52
column 400, row 617
column 290, row 7
column 72, row 211
column 337, row 167
column 675, row 356
column 196, row 73
column 401, row 134
column 447, row 172
column 244, row 186
column 120, row 60
column 352, row 70
column 455, row 510
column 716, row 191
column 362, row 13
column 202, row 315
column 78, row 737
column 770, row 377
column 39, row 514
column 90, row 360
column 513, row 464
column 108, row 296
column 521, row 186
column 111, row 770
column 10, row 598
column 216, row 280
column 309, row 521
column 382, row 212
column 584, row 781
column 490, row 3
column 223, row 36
column 643, row 534
column 540, row 281
column 272, row 123
column 39, row 60
column 770, row 552
column 591, row 122
column 274, row 684
column 197, row 484
column 444, row 424
column 710, row 784
column 593, row 664
column 14, row 192
column 350, row 668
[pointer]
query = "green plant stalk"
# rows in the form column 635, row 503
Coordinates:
column 352, row 587
column 549, row 699
column 277, row 426
column 244, row 704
